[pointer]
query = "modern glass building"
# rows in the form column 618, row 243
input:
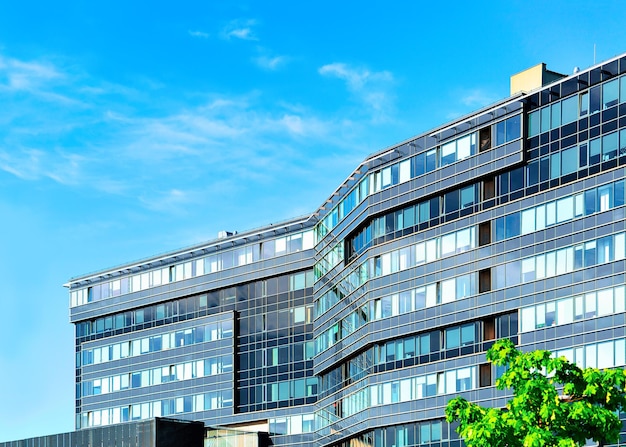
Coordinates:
column 355, row 325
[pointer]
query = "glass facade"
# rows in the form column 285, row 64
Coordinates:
column 508, row 223
column 354, row 326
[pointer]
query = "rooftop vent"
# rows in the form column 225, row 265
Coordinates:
column 224, row 234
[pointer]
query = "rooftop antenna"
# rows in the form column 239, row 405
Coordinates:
column 594, row 54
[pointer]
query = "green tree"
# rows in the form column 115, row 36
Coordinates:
column 555, row 403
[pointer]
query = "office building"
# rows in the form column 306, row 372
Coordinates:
column 355, row 325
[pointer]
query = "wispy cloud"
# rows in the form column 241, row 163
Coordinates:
column 476, row 97
column 466, row 100
column 270, row 63
column 356, row 78
column 199, row 152
column 167, row 200
column 371, row 88
column 36, row 164
column 200, row 34
column 22, row 75
column 240, row 29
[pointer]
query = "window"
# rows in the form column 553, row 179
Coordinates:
column 484, row 281
column 468, row 196
column 610, row 94
column 489, row 329
column 609, row 146
column 484, row 137
column 489, row 188
column 594, row 99
column 484, row 374
column 569, row 110
column 484, row 233
column 569, row 160
column 545, row 119
column 584, row 103
column 533, row 123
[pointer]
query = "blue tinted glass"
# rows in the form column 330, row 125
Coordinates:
column 467, row 196
column 513, row 128
column 569, row 160
column 590, row 202
column 512, row 225
column 418, row 165
column 431, row 160
column 517, row 179
column 500, row 129
column 434, row 207
column 424, row 211
column 544, row 169
column 532, row 173
column 451, row 201
column 499, row 229
column 619, row 193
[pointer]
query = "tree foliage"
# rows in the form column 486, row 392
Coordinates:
column 555, row 403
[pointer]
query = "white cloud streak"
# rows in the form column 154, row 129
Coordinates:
column 200, row 34
column 240, row 29
column 22, row 75
column 270, row 63
column 91, row 135
column 370, row 88
column 477, row 98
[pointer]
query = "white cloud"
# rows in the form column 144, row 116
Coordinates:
column 270, row 63
column 36, row 164
column 371, row 88
column 21, row 75
column 168, row 201
column 200, row 34
column 476, row 98
column 356, row 78
column 183, row 154
column 240, row 29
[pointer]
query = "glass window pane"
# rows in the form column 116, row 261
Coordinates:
column 533, row 123
column 453, row 338
column 584, row 103
column 448, row 290
column 605, row 197
column 609, row 146
column 467, row 196
column 463, row 148
column 431, row 160
column 555, row 165
column 565, row 209
column 512, row 225
column 594, row 151
column 569, row 160
column 448, row 153
column 556, row 115
column 565, row 311
column 528, row 269
column 609, row 94
column 468, row 334
column 500, row 129
column 528, row 221
column 569, row 110
column 545, row 119
column 594, row 99
column 448, row 244
column 513, row 127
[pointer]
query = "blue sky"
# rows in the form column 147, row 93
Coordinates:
column 132, row 128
